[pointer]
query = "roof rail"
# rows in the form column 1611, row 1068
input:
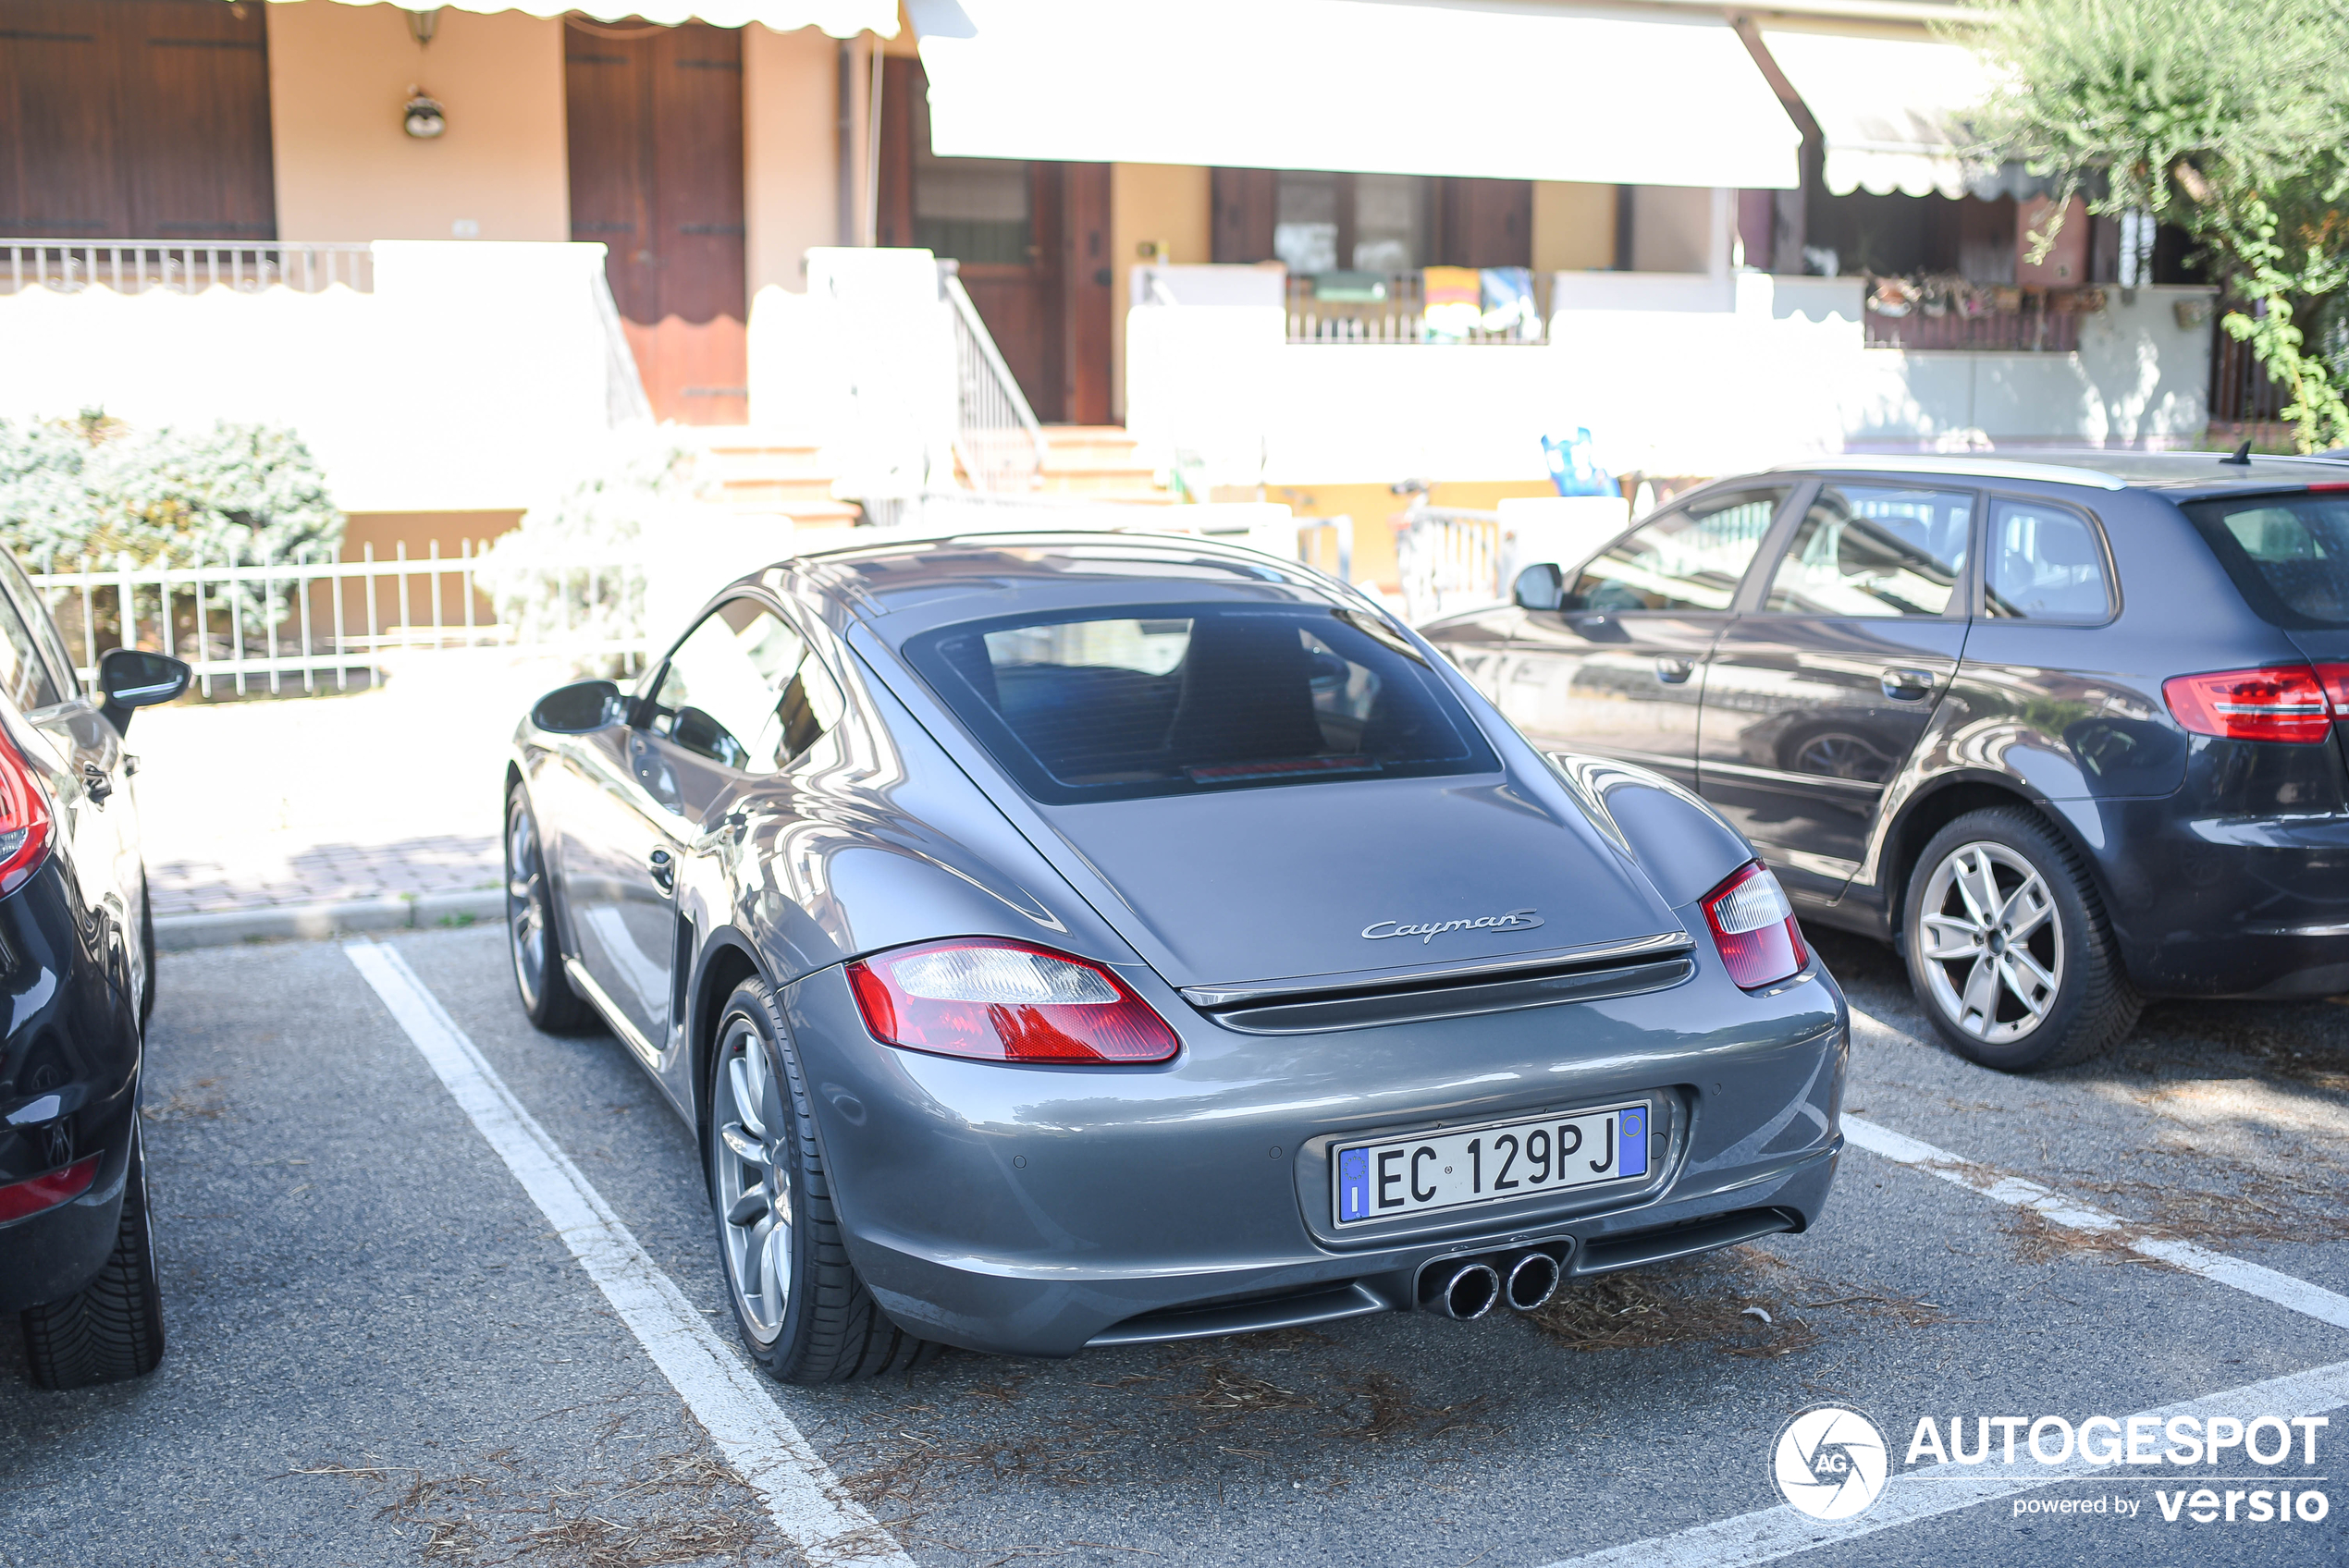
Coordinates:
column 1961, row 465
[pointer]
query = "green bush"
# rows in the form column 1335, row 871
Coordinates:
column 572, row 572
column 95, row 486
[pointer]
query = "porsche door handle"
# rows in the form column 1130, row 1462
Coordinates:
column 663, row 866
column 1907, row 685
column 95, row 784
column 1672, row 672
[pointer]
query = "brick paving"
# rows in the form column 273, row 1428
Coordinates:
column 307, row 800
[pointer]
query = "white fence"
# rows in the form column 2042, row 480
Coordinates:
column 319, row 625
column 1450, row 559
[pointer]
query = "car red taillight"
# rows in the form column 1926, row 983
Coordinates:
column 24, row 818
column 20, row 1198
column 2281, row 703
column 996, row 1000
column 1754, row 927
column 2334, row 677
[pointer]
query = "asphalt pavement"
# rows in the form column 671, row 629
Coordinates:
column 383, row 1351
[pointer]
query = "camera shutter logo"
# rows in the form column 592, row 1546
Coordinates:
column 1829, row 1462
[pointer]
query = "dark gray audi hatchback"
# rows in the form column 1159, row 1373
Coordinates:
column 2064, row 730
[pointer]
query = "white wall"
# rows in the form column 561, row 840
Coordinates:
column 472, row 378
column 1672, row 373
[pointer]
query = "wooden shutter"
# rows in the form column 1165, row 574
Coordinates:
column 135, row 119
column 1246, row 206
column 1485, row 223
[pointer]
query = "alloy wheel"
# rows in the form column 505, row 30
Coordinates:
column 753, row 1181
column 526, row 902
column 1991, row 941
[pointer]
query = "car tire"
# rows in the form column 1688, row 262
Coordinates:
column 111, row 1329
column 802, row 1314
column 547, row 997
column 2007, row 947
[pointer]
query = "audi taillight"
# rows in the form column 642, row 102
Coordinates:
column 35, row 1193
column 995, row 1000
column 24, row 818
column 2281, row 703
column 1753, row 928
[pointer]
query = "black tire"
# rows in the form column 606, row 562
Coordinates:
column 147, row 949
column 547, row 997
column 112, row 1329
column 1983, row 980
column 827, row 1328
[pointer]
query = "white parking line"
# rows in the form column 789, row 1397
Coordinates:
column 1914, row 1495
column 726, row 1397
column 2297, row 1295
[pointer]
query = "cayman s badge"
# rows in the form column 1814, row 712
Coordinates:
column 1515, row 920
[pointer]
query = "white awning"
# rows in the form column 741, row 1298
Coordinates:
column 1893, row 110
column 1522, row 91
column 842, row 18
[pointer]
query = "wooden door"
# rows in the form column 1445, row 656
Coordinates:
column 1031, row 240
column 1086, row 299
column 656, row 135
column 135, row 119
column 1020, row 301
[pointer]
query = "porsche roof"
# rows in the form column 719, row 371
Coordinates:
column 907, row 585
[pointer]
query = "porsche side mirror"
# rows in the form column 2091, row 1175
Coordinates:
column 132, row 678
column 579, row 708
column 1541, row 586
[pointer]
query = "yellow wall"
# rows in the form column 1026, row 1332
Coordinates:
column 1370, row 507
column 1573, row 227
column 1171, row 205
column 791, row 151
column 338, row 76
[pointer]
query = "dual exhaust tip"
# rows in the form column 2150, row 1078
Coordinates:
column 1525, row 1281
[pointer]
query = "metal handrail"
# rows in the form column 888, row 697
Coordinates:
column 180, row 267
column 625, row 401
column 996, row 434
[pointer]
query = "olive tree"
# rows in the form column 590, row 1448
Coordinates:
column 2227, row 117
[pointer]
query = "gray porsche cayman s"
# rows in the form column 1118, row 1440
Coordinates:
column 1075, row 939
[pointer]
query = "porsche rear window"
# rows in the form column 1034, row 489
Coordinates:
column 2288, row 554
column 1110, row 704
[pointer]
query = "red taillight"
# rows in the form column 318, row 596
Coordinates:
column 2284, row 703
column 1754, row 927
column 2334, row 677
column 20, row 1198
column 24, row 819
column 995, row 1000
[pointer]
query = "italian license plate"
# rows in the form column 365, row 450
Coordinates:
column 1483, row 1165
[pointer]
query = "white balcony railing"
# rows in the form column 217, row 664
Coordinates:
column 1392, row 307
column 134, row 266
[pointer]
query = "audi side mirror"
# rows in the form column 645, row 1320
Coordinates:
column 132, row 678
column 1541, row 586
column 579, row 708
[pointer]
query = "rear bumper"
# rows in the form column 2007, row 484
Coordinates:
column 47, row 1257
column 68, row 1085
column 1031, row 1211
column 2230, row 906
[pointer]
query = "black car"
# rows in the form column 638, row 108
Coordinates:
column 77, row 963
column 2064, row 732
